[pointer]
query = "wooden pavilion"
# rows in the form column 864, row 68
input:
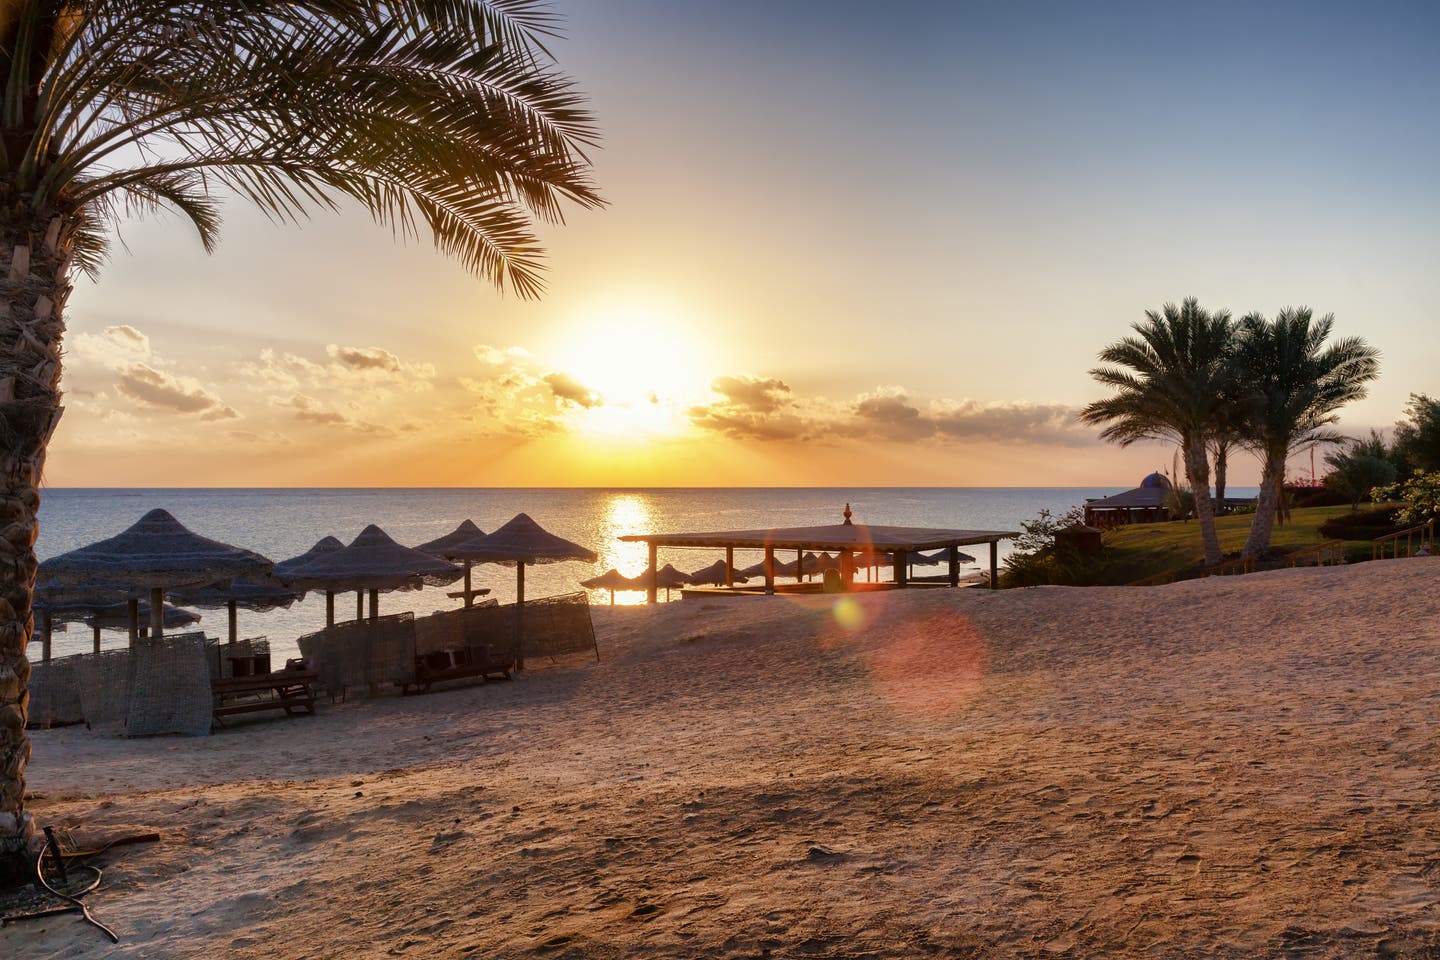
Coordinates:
column 847, row 539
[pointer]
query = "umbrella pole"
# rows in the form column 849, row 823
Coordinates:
column 47, row 629
column 470, row 597
column 800, row 565
column 234, row 630
column 157, row 612
column 329, row 608
column 612, row 598
column 729, row 566
column 96, row 627
column 359, row 604
column 520, row 615
column 654, row 576
column 134, row 609
column 374, row 603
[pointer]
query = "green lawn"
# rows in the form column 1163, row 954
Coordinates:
column 1143, row 550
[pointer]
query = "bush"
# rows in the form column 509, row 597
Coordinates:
column 1419, row 497
column 1361, row 525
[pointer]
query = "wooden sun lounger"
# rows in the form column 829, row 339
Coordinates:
column 441, row 665
column 290, row 690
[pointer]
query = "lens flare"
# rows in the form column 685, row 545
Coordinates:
column 931, row 666
column 848, row 613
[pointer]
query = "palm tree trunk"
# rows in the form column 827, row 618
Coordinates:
column 34, row 267
column 1257, row 544
column 1222, row 457
column 1197, row 471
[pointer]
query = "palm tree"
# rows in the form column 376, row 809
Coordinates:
column 1169, row 381
column 445, row 117
column 1295, row 384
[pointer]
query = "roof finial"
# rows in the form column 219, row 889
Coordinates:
column 847, row 515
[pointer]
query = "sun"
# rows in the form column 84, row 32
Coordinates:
column 645, row 366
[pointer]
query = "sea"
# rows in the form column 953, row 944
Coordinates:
column 281, row 523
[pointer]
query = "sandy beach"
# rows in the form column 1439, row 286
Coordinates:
column 1232, row 767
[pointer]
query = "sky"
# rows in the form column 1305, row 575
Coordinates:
column 845, row 244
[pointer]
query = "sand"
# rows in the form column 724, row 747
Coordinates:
column 1234, row 767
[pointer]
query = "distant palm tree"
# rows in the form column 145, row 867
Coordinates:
column 1169, row 381
column 437, row 116
column 1294, row 385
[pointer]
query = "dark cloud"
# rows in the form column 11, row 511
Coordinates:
column 567, row 388
column 156, row 388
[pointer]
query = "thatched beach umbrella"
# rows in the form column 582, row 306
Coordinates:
column 463, row 544
column 372, row 562
column 118, row 618
column 717, row 574
column 157, row 552
column 521, row 541
column 613, row 580
column 249, row 594
column 669, row 578
column 285, row 568
column 62, row 603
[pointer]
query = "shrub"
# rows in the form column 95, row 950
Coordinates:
column 1361, row 525
column 1419, row 498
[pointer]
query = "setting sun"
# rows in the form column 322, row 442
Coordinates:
column 642, row 367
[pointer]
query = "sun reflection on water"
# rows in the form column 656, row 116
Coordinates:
column 625, row 513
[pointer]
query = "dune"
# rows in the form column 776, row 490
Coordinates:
column 1234, row 767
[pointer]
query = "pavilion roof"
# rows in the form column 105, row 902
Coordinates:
column 835, row 536
column 1138, row 498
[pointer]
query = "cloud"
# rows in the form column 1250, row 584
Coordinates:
column 567, row 388
column 754, row 408
column 1019, row 421
column 113, row 347
column 348, row 369
column 364, row 358
column 161, row 390
column 499, row 356
column 307, row 409
column 753, row 393
column 888, row 414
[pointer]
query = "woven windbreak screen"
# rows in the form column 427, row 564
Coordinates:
column 169, row 686
column 55, row 692
column 557, row 626
column 105, row 689
column 352, row 655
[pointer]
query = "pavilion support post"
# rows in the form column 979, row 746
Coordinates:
column 96, row 638
column 374, row 603
column 953, row 555
column 653, row 586
column 359, row 604
column 769, row 571
column 520, row 615
column 902, row 560
column 799, row 564
column 994, row 565
column 329, row 608
column 234, row 621
column 47, row 632
column 470, row 597
column 133, row 608
column 157, row 612
column 847, row 567
column 729, row 566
